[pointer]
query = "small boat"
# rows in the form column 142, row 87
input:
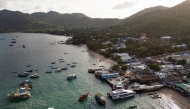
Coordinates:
column 54, row 68
column 25, row 74
column 68, row 64
column 64, row 68
column 100, row 98
column 13, row 42
column 101, row 66
column 53, row 62
column 94, row 64
column 14, row 72
column 83, row 96
column 72, row 76
column 29, row 71
column 61, row 42
column 27, row 84
column 11, row 45
column 74, row 62
column 49, row 71
column 13, row 39
column 2, row 39
column 132, row 106
column 28, row 65
column 65, row 53
column 57, row 70
column 61, row 61
column 73, row 65
column 23, row 46
column 34, row 76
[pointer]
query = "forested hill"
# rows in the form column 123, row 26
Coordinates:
column 174, row 21
column 75, row 20
column 13, row 21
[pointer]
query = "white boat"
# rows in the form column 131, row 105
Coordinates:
column 121, row 93
column 72, row 76
column 28, row 65
column 58, row 70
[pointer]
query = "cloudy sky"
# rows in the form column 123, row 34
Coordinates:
column 91, row 8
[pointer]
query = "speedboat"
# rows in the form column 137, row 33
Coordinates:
column 72, row 76
column 34, row 76
column 100, row 98
column 64, row 68
column 121, row 93
column 25, row 74
column 83, row 96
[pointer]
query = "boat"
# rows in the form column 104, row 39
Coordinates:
column 54, row 68
column 14, row 72
column 13, row 42
column 27, row 84
column 68, row 64
column 53, row 62
column 57, row 70
column 25, row 74
column 13, row 39
column 2, row 39
column 34, row 76
column 64, row 68
column 121, row 93
column 11, row 45
column 73, row 65
column 100, row 98
column 72, row 76
column 132, row 106
column 74, row 62
column 19, row 94
column 29, row 71
column 83, row 96
column 23, row 46
column 143, row 87
column 61, row 61
column 28, row 65
column 49, row 71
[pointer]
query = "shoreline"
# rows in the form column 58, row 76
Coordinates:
column 179, row 99
column 99, row 56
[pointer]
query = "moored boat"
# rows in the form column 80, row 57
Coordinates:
column 25, row 74
column 73, row 65
column 64, row 68
column 28, row 65
column 72, row 76
column 132, row 106
column 83, row 96
column 49, row 71
column 19, row 94
column 13, row 42
column 34, row 76
column 100, row 98
column 121, row 93
column 57, row 70
column 27, row 84
column 53, row 62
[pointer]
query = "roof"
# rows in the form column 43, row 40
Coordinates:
column 106, row 43
column 185, row 87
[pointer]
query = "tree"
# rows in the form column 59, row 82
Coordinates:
column 124, row 67
column 155, row 67
column 116, row 67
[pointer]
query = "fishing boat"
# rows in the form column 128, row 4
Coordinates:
column 132, row 106
column 74, row 62
column 13, row 42
column 29, row 71
column 11, row 45
column 25, row 74
column 19, row 94
column 53, row 62
column 64, row 68
column 27, row 84
column 72, row 76
column 100, row 98
column 34, row 76
column 83, row 96
column 121, row 93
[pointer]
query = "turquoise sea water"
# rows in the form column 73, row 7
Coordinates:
column 52, row 89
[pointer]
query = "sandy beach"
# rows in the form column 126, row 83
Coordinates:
column 102, row 58
column 179, row 99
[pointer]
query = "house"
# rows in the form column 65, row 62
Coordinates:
column 178, row 67
column 146, row 78
column 171, row 81
column 162, row 75
column 165, row 38
column 124, row 57
column 143, row 37
column 180, row 46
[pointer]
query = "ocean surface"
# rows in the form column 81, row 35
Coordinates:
column 53, row 89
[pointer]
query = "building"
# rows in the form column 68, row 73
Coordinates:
column 147, row 78
column 124, row 57
column 143, row 37
column 107, row 43
column 184, row 89
column 171, row 81
column 178, row 67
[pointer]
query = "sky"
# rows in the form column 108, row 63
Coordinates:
column 92, row 8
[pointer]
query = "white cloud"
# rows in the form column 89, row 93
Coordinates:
column 6, row 4
column 126, row 4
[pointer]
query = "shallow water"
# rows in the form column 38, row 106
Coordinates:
column 52, row 89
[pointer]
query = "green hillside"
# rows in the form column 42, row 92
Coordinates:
column 15, row 21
